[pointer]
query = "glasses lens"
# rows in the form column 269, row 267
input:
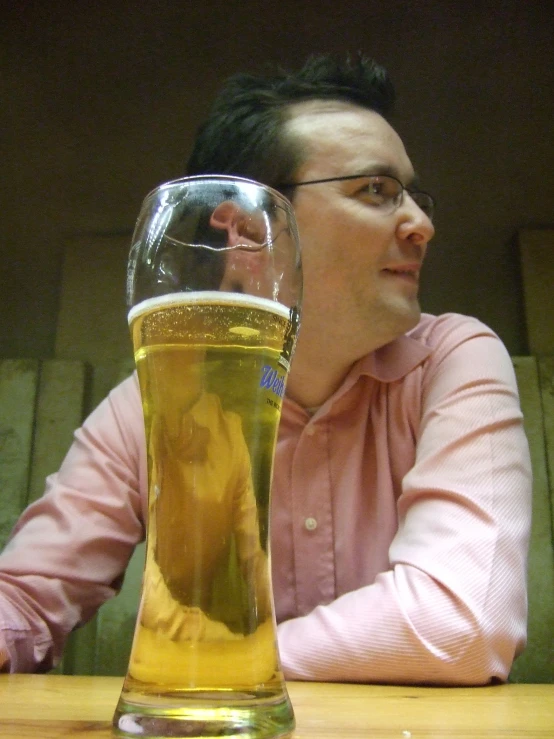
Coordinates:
column 384, row 190
column 425, row 202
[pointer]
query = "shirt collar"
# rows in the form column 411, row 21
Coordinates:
column 394, row 360
column 386, row 364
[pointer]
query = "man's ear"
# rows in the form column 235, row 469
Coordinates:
column 243, row 228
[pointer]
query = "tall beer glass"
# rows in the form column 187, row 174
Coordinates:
column 214, row 290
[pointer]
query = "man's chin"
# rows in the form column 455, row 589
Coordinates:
column 415, row 316
column 395, row 321
column 408, row 316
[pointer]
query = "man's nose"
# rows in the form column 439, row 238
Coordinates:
column 415, row 225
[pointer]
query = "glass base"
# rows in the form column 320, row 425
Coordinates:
column 205, row 717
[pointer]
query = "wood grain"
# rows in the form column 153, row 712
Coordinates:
column 54, row 706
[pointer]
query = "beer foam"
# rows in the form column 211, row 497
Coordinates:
column 208, row 297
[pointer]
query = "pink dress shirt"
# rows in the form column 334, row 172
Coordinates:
column 400, row 521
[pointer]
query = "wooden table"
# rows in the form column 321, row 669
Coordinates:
column 55, row 706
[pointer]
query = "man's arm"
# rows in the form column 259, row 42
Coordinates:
column 70, row 548
column 452, row 607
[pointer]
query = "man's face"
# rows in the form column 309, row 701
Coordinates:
column 361, row 263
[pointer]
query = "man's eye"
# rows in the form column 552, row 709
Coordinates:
column 376, row 192
column 377, row 188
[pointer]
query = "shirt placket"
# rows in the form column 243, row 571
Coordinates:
column 313, row 518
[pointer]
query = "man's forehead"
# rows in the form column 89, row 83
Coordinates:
column 309, row 115
column 341, row 129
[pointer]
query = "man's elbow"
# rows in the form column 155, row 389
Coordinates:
column 485, row 658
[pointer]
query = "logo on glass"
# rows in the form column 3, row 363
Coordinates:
column 272, row 380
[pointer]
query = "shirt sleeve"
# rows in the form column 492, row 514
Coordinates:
column 69, row 549
column 452, row 607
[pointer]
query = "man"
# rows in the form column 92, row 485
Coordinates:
column 401, row 495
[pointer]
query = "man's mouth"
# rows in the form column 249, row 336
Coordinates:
column 407, row 271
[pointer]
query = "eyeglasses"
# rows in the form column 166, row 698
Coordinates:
column 382, row 191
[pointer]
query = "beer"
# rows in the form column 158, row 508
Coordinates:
column 212, row 369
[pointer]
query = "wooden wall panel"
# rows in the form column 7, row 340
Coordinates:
column 546, row 375
column 537, row 662
column 537, row 265
column 59, row 412
column 18, row 390
column 92, row 320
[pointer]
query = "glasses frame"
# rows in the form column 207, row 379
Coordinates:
column 403, row 189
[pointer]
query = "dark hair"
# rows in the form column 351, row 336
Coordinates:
column 244, row 132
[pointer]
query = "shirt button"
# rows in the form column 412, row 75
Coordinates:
column 310, row 430
column 310, row 524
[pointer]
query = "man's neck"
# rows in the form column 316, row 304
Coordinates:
column 317, row 372
column 310, row 387
column 323, row 358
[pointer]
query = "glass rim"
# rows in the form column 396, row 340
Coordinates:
column 207, row 297
column 219, row 178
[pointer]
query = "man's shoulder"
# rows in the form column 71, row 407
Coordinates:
column 464, row 340
column 448, row 329
column 120, row 409
column 426, row 344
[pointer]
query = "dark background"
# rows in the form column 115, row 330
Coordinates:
column 100, row 102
